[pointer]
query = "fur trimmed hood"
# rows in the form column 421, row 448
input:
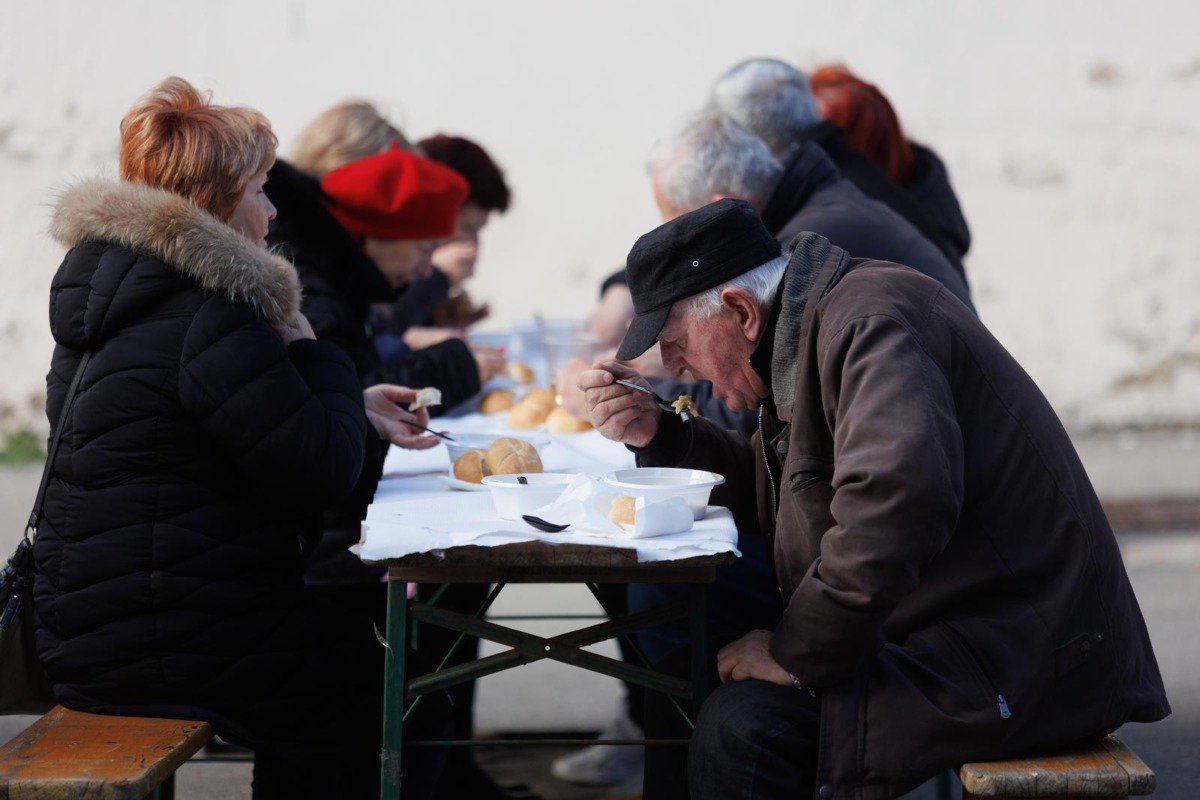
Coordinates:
column 181, row 234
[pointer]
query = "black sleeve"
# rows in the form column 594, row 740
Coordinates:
column 414, row 307
column 291, row 416
column 448, row 366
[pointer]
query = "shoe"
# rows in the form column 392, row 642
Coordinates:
column 605, row 764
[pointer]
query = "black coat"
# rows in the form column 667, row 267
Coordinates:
column 872, row 181
column 813, row 196
column 340, row 284
column 191, row 472
column 929, row 184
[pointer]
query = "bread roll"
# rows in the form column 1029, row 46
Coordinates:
column 527, row 415
column 521, row 373
column 509, row 456
column 561, row 421
column 541, row 396
column 471, row 466
column 495, row 401
column 623, row 509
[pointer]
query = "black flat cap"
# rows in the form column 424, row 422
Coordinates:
column 697, row 251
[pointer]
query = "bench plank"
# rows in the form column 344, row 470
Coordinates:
column 1106, row 769
column 71, row 755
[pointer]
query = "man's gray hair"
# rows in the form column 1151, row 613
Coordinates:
column 711, row 154
column 761, row 283
column 770, row 98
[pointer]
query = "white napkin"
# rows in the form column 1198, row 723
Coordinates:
column 586, row 502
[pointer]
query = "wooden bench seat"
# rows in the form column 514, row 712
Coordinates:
column 69, row 754
column 1106, row 769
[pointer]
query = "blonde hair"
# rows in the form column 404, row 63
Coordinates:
column 351, row 130
column 176, row 139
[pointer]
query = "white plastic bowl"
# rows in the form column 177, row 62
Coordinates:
column 512, row 499
column 482, row 441
column 655, row 483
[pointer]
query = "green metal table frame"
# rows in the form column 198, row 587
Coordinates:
column 533, row 562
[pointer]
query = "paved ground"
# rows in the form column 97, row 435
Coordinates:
column 1144, row 479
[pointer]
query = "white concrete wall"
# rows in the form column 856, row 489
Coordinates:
column 1071, row 129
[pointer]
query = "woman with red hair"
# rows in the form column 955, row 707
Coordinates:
column 870, row 125
column 208, row 430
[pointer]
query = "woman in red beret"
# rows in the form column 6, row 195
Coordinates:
column 358, row 236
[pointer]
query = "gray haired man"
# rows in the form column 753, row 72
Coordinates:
column 774, row 101
column 952, row 589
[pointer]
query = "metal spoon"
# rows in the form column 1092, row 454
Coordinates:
column 445, row 436
column 542, row 525
column 663, row 404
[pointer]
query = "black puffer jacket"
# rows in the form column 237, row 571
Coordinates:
column 813, row 196
column 198, row 453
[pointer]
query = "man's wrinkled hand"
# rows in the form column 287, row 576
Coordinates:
column 750, row 657
column 618, row 412
column 387, row 412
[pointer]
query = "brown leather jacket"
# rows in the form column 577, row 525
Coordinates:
column 952, row 585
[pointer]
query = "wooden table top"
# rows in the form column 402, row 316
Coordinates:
column 541, row 562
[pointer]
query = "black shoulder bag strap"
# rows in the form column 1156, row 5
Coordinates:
column 16, row 573
column 36, row 515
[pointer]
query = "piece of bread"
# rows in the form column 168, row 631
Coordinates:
column 495, row 401
column 521, row 373
column 508, row 456
column 471, row 466
column 623, row 509
column 527, row 415
column 561, row 421
column 429, row 396
column 541, row 396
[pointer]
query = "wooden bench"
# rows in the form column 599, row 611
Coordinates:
column 69, row 754
column 1106, row 769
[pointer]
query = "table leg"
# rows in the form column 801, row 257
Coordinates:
column 699, row 631
column 393, row 689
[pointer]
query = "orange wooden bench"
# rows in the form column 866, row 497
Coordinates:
column 1106, row 769
column 70, row 755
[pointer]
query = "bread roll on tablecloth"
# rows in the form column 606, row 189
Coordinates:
column 471, row 466
column 509, row 456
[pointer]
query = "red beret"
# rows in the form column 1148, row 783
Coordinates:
column 395, row 195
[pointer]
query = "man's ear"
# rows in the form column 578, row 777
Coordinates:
column 751, row 320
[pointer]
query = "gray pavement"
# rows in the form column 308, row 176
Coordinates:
column 1136, row 474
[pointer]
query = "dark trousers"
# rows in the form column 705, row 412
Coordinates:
column 330, row 747
column 743, row 598
column 753, row 740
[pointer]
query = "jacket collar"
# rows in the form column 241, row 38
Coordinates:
column 182, row 235
column 814, row 266
column 807, row 171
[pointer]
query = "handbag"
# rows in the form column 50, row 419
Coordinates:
column 25, row 687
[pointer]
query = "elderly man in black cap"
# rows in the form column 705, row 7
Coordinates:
column 953, row 591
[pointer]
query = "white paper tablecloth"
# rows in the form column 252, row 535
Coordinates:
column 415, row 512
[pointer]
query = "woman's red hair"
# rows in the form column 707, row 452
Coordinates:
column 175, row 139
column 867, row 120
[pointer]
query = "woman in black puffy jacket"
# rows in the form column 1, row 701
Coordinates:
column 209, row 430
